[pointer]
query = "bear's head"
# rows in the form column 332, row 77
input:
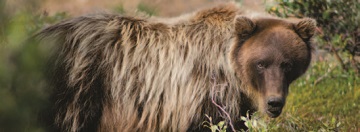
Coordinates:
column 268, row 55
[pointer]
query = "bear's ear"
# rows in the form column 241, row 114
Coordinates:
column 244, row 27
column 306, row 28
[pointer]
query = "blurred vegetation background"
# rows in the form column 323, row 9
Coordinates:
column 326, row 98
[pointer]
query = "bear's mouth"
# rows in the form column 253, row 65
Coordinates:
column 274, row 112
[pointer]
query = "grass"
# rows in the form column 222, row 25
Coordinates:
column 330, row 105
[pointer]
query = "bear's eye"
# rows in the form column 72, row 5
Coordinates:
column 260, row 65
column 286, row 66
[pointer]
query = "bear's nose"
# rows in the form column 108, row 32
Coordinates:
column 274, row 102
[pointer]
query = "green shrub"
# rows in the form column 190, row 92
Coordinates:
column 23, row 89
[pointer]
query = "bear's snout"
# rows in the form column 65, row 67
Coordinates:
column 274, row 106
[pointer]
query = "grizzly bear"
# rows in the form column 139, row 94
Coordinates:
column 124, row 73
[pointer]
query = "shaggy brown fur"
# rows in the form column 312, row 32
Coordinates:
column 120, row 73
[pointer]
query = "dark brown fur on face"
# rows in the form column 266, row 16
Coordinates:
column 275, row 54
column 121, row 73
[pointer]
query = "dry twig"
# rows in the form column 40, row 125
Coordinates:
column 217, row 105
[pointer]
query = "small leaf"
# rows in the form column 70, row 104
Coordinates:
column 214, row 128
column 333, row 120
column 221, row 124
column 254, row 123
column 338, row 124
column 224, row 129
column 248, row 124
column 243, row 118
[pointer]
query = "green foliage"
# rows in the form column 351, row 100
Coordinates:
column 255, row 123
column 330, row 14
column 219, row 127
column 23, row 90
